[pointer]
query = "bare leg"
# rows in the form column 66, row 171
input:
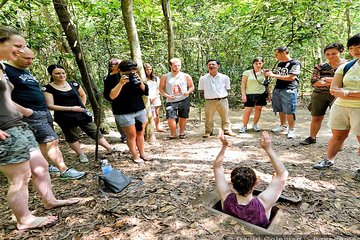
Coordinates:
column 282, row 117
column 51, row 151
column 172, row 126
column 291, row 121
column 140, row 140
column 336, row 142
column 182, row 125
column 42, row 183
column 157, row 120
column 18, row 175
column 105, row 144
column 246, row 115
column 315, row 125
column 76, row 147
column 257, row 114
column 131, row 140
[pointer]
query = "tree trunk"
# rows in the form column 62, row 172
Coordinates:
column 128, row 16
column 169, row 29
column 75, row 45
column 3, row 3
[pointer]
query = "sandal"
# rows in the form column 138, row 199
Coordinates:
column 171, row 138
column 182, row 136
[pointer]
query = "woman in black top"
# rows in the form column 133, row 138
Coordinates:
column 68, row 99
column 128, row 106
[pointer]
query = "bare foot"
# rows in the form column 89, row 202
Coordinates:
column 37, row 222
column 61, row 203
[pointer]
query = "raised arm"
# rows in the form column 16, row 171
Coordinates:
column 277, row 184
column 221, row 185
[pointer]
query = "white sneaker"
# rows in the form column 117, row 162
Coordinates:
column 291, row 134
column 83, row 158
column 243, row 129
column 256, row 128
column 280, row 128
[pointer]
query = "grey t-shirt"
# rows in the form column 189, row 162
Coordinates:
column 9, row 115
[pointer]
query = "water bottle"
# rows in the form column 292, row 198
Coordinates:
column 105, row 166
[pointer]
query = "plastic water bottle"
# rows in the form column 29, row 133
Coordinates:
column 105, row 166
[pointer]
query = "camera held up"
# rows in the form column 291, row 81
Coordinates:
column 134, row 79
column 127, row 66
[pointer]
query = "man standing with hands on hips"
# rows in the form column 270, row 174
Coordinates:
column 176, row 87
column 284, row 98
column 215, row 87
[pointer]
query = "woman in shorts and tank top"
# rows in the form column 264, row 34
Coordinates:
column 20, row 157
column 253, row 93
column 238, row 200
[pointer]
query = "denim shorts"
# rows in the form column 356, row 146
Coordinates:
column 178, row 109
column 41, row 123
column 126, row 120
column 284, row 100
column 17, row 147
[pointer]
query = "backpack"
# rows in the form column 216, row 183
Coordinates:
column 348, row 66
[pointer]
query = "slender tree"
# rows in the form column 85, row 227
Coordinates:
column 169, row 29
column 75, row 45
column 135, row 50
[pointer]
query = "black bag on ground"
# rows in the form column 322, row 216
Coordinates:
column 115, row 180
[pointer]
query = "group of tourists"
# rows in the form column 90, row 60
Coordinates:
column 28, row 140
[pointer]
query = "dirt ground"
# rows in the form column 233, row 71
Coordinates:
column 167, row 205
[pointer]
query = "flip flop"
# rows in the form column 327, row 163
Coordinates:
column 40, row 223
column 182, row 136
column 170, row 138
column 70, row 201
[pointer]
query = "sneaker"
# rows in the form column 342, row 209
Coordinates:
column 230, row 133
column 53, row 169
column 243, row 129
column 256, row 128
column 308, row 141
column 280, row 128
column 139, row 160
column 291, row 134
column 71, row 173
column 83, row 158
column 323, row 164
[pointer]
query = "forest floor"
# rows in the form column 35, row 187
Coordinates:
column 168, row 205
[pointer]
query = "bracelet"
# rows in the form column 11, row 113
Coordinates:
column 346, row 93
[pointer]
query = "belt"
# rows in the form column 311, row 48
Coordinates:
column 216, row 99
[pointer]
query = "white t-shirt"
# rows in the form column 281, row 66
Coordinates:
column 214, row 87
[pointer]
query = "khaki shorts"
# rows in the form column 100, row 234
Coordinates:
column 17, row 147
column 345, row 118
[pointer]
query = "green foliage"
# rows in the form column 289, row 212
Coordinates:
column 233, row 31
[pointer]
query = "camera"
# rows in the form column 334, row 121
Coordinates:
column 134, row 79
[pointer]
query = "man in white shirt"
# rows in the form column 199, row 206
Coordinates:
column 215, row 87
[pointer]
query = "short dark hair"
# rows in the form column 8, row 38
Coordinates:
column 337, row 46
column 213, row 60
column 282, row 49
column 127, row 65
column 354, row 40
column 243, row 180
